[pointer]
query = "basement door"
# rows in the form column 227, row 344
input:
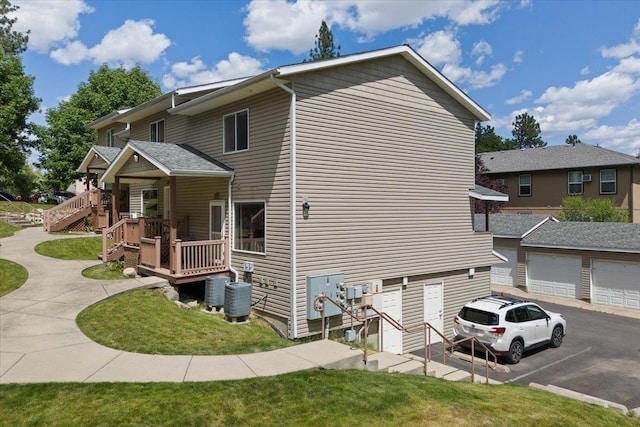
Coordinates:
column 433, row 306
column 392, row 337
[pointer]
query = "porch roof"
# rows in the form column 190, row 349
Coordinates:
column 98, row 157
column 139, row 161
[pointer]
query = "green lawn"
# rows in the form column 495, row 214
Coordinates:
column 308, row 398
column 109, row 271
column 12, row 276
column 145, row 321
column 81, row 248
column 7, row 230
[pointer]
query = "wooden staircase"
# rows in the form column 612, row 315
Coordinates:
column 71, row 214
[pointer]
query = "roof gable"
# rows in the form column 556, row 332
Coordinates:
column 554, row 157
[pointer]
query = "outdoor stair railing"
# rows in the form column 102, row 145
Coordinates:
column 64, row 210
column 319, row 305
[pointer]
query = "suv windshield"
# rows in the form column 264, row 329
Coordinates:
column 478, row 316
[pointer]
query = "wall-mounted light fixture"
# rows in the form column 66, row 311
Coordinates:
column 305, row 208
column 95, row 155
column 136, row 158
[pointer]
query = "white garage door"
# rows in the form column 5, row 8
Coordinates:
column 557, row 275
column 504, row 273
column 616, row 283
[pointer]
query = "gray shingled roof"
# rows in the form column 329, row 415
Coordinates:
column 509, row 226
column 178, row 158
column 596, row 236
column 554, row 157
column 107, row 153
column 488, row 192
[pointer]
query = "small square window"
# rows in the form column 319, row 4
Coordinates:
column 524, row 185
column 608, row 181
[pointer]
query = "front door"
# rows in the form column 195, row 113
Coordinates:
column 433, row 310
column 392, row 337
column 216, row 220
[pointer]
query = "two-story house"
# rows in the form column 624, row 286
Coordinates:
column 358, row 169
column 537, row 179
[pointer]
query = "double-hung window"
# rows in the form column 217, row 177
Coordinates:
column 249, row 226
column 110, row 137
column 524, row 185
column 574, row 180
column 236, row 131
column 156, row 131
column 608, row 181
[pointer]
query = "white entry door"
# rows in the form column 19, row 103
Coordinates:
column 433, row 306
column 392, row 337
column 216, row 219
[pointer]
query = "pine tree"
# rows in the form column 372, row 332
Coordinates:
column 325, row 48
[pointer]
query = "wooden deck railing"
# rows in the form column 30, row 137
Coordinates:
column 68, row 207
column 199, row 257
column 150, row 252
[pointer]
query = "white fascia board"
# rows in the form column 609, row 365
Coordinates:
column 105, row 120
column 122, row 158
column 147, row 105
column 535, row 227
column 579, row 248
column 478, row 196
column 499, row 255
column 209, row 86
column 87, row 159
column 187, row 173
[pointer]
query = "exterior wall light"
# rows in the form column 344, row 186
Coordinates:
column 136, row 158
column 305, row 209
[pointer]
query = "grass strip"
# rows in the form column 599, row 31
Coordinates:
column 12, row 276
column 81, row 248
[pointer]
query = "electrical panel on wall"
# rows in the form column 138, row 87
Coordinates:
column 329, row 285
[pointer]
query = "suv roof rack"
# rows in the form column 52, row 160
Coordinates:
column 504, row 301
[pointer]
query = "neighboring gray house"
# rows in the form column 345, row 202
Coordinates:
column 358, row 169
column 592, row 261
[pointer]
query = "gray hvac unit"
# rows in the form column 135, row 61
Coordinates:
column 214, row 291
column 237, row 300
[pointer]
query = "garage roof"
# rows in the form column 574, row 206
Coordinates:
column 590, row 236
column 510, row 226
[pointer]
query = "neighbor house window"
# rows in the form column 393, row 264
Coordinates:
column 524, row 185
column 110, row 137
column 236, row 131
column 156, row 131
column 249, row 227
column 150, row 203
column 608, row 181
column 575, row 182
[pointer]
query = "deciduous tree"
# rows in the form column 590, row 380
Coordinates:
column 575, row 208
column 66, row 140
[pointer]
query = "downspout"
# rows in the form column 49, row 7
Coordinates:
column 230, row 225
column 293, row 199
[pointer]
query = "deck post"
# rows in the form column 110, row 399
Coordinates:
column 157, row 246
column 115, row 199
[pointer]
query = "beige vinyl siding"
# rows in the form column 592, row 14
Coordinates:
column 261, row 174
column 193, row 196
column 458, row 289
column 135, row 197
column 386, row 160
column 102, row 134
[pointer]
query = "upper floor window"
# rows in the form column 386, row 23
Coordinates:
column 110, row 137
column 236, row 131
column 156, row 131
column 608, row 181
column 524, row 185
column 249, row 226
column 574, row 180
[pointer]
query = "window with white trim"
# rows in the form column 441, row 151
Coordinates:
column 235, row 131
column 574, row 181
column 150, row 203
column 524, row 185
column 156, row 131
column 110, row 137
column 608, row 183
column 249, row 226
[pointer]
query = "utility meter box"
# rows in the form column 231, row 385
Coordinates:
column 324, row 284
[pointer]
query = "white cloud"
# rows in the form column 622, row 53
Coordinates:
column 50, row 22
column 439, row 48
column 196, row 72
column 624, row 50
column 524, row 95
column 585, row 71
column 517, row 57
column 481, row 49
column 280, row 24
column 625, row 138
column 133, row 42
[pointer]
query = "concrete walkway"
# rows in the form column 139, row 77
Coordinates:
column 40, row 341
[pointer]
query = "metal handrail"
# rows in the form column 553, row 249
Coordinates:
column 424, row 326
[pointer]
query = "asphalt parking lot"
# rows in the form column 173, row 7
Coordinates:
column 600, row 357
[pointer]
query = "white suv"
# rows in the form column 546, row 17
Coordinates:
column 509, row 326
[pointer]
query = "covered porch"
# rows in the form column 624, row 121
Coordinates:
column 162, row 242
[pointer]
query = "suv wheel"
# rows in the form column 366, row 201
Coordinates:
column 515, row 352
column 556, row 337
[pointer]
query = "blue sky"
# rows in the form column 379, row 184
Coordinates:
column 573, row 65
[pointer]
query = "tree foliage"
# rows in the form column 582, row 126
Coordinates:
column 17, row 100
column 526, row 132
column 487, row 140
column 324, row 46
column 66, row 140
column 483, row 179
column 572, row 140
column 575, row 208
